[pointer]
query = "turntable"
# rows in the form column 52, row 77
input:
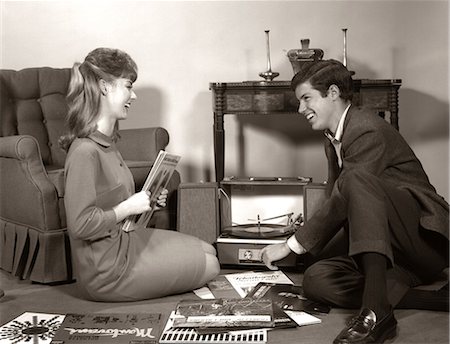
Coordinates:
column 261, row 229
column 256, row 212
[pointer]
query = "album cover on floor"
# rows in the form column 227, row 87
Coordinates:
column 109, row 328
column 228, row 314
column 288, row 297
column 244, row 282
column 173, row 335
column 29, row 327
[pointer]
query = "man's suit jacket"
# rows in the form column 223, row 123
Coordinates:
column 372, row 145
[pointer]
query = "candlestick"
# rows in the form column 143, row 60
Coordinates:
column 344, row 61
column 268, row 75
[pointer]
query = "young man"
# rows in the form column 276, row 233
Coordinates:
column 380, row 201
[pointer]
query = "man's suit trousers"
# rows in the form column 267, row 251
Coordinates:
column 384, row 219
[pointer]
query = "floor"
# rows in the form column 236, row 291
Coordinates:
column 23, row 296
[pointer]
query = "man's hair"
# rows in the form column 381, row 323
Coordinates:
column 322, row 74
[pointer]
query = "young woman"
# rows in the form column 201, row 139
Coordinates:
column 110, row 264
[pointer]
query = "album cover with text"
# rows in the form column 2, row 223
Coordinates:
column 109, row 328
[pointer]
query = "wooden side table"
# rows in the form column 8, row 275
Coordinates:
column 276, row 97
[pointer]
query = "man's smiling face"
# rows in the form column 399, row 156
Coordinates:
column 318, row 110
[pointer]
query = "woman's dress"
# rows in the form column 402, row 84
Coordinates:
column 110, row 264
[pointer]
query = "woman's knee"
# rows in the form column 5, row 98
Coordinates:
column 208, row 248
column 212, row 268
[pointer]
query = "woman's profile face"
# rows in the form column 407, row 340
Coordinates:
column 119, row 97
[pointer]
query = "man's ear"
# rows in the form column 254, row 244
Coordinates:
column 103, row 86
column 334, row 91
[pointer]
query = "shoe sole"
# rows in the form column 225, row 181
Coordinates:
column 392, row 333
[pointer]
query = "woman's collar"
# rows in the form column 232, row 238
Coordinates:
column 101, row 138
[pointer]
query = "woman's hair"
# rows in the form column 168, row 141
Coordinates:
column 322, row 74
column 83, row 96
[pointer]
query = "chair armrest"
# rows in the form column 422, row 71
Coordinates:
column 142, row 144
column 27, row 195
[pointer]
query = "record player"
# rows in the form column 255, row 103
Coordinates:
column 259, row 211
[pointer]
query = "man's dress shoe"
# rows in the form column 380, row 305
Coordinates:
column 364, row 328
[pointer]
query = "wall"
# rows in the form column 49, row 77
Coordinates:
column 180, row 47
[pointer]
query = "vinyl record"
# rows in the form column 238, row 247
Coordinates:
column 262, row 231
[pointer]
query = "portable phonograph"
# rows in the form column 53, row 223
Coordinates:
column 256, row 212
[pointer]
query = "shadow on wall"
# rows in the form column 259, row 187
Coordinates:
column 147, row 109
column 424, row 122
column 362, row 70
column 293, row 128
column 290, row 128
column 422, row 117
column 193, row 126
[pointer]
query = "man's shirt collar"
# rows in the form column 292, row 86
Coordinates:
column 336, row 139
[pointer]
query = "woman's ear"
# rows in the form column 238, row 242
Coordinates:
column 103, row 86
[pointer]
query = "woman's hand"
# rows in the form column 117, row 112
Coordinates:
column 133, row 205
column 161, row 201
column 138, row 204
column 273, row 253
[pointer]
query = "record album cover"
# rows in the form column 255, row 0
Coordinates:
column 229, row 314
column 31, row 328
column 109, row 328
column 173, row 335
column 288, row 297
column 244, row 282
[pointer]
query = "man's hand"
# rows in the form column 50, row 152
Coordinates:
column 273, row 253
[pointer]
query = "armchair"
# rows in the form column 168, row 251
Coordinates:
column 34, row 242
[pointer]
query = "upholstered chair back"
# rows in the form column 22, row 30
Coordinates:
column 33, row 103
